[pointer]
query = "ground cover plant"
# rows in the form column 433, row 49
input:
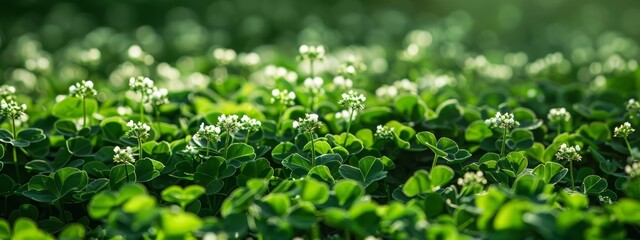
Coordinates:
column 169, row 133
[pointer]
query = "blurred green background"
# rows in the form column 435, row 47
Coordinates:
column 60, row 42
column 535, row 27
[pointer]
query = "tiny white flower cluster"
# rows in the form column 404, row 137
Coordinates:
column 224, row 56
column 558, row 115
column 386, row 92
column 158, row 96
column 344, row 115
column 307, row 124
column 353, row 100
column 404, row 86
column 384, row 132
column 229, row 124
column 12, row 109
column 633, row 169
column 190, row 149
column 342, row 82
column 314, row 84
column 250, row 124
column 283, row 97
column 274, row 72
column 7, row 92
column 623, row 130
column 82, row 89
column 471, row 178
column 351, row 67
column 123, row 155
column 138, row 130
column 143, row 85
column 135, row 53
column 569, row 153
column 311, row 52
column 208, row 133
column 249, row 59
column 633, row 107
column 505, row 120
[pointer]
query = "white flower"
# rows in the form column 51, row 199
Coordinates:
column 12, row 109
column 633, row 108
column 138, row 130
column 208, row 133
column 386, row 92
column 273, row 72
column 623, row 130
column 569, row 153
column 471, row 178
column 224, row 56
column 344, row 115
column 405, row 86
column 353, row 100
column 230, row 123
column 250, row 124
column 141, row 84
column 82, row 89
column 7, row 92
column 191, row 150
column 158, row 96
column 384, row 132
column 633, row 169
column 123, row 155
column 308, row 123
column 342, row 82
column 505, row 120
column 558, row 115
column 314, row 84
column 249, row 59
column 283, row 97
column 311, row 52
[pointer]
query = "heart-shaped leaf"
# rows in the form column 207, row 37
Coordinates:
column 593, row 185
column 239, row 153
column 369, row 170
column 57, row 185
column 550, row 172
column 211, row 173
column 176, row 194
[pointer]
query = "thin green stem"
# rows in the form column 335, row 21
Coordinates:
column 140, row 148
column 629, row 147
column 504, row 140
column 315, row 232
column 209, row 202
column 558, row 129
column 226, row 144
column 246, row 140
column 63, row 216
column 84, row 112
column 157, row 119
column 311, row 72
column 435, row 161
column 348, row 126
column 13, row 148
column 279, row 116
column 313, row 150
column 5, row 204
column 208, row 149
column 126, row 171
column 141, row 106
column 573, row 186
column 312, row 100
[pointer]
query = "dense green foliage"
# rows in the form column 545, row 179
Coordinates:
column 421, row 139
